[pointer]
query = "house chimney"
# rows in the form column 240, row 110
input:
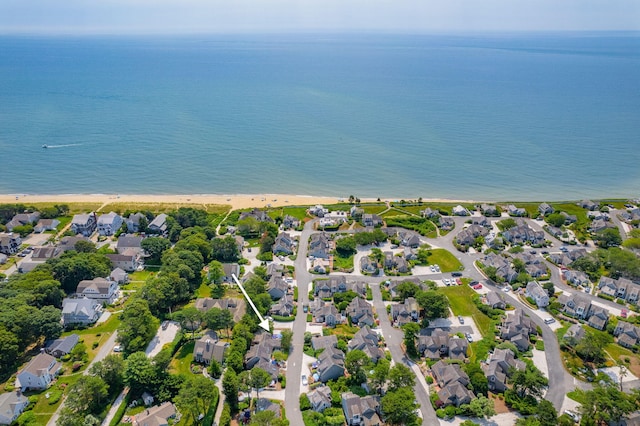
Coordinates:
column 208, row 345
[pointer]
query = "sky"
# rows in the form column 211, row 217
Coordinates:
column 254, row 16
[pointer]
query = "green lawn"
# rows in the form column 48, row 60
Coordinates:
column 74, row 208
column 344, row 264
column 461, row 301
column 203, row 291
column 373, row 208
column 445, row 259
column 299, row 212
column 181, row 362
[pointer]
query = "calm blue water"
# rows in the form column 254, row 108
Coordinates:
column 481, row 117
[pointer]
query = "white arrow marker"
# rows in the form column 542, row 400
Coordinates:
column 263, row 322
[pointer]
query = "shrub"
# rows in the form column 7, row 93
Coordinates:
column 305, row 404
column 54, row 396
column 77, row 366
column 95, row 345
column 225, row 417
column 429, row 380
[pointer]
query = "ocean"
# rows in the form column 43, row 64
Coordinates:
column 549, row 116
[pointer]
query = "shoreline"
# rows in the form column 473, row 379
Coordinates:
column 236, row 201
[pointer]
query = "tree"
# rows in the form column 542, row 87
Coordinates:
column 79, row 352
column 230, row 387
column 478, row 380
column 87, row 395
column 9, row 351
column 110, row 369
column 591, row 347
column 480, row 407
column 154, row 247
column 267, row 418
column 215, row 369
column 411, row 330
column 73, row 267
column 380, row 374
column 137, row 326
column 218, row 319
column 528, row 382
column 225, row 249
column 555, row 219
column 407, row 289
column 216, row 272
column 257, row 378
column 399, row 407
column 401, row 376
column 285, row 342
column 550, row 288
column 195, row 397
column 606, row 404
column 189, row 318
column 434, row 304
column 354, row 363
column 609, row 237
column 139, row 372
column 346, row 246
column 546, row 413
column 83, row 246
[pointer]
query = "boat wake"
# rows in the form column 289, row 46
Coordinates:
column 62, row 146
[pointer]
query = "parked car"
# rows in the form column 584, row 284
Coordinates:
column 468, row 336
column 506, row 289
column 458, row 281
column 533, row 252
column 305, row 382
column 456, row 274
column 117, row 348
column 623, row 313
column 474, row 283
column 477, row 287
column 549, row 320
column 460, row 319
column 165, row 324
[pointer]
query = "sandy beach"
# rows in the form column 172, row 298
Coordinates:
column 236, row 201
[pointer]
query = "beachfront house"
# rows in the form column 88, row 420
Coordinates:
column 109, row 223
column 84, row 224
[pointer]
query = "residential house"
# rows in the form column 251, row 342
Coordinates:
column 109, row 223
column 481, row 221
column 290, row 222
column 489, row 210
column 430, row 213
column 257, row 214
column 283, row 244
column 396, row 263
column 393, row 285
column 325, row 313
column 84, row 224
column 504, row 269
column 82, row 311
column 9, row 243
column 499, row 366
column 409, row 239
column 259, row 354
column 523, row 234
column 320, row 246
column 598, row 215
column 627, row 290
column 600, row 225
column 283, row 308
column 229, row 270
column 446, row 223
column 263, row 404
column 360, row 312
column 158, row 415
column 275, row 269
column 589, row 205
column 129, row 244
column 628, row 334
column 495, row 300
column 598, row 317
column 11, row 406
column 46, row 225
column 367, row 341
column 574, row 334
column 69, row 243
column 468, row 236
column 277, row 288
column 569, row 218
column 204, row 347
column 320, row 398
column 368, row 265
column 330, row 364
column 433, row 344
column 369, row 219
column 517, row 328
column 324, row 342
column 575, row 306
column 516, row 211
column 318, row 210
column 44, row 253
column 453, row 384
column 119, row 275
column 38, row 373
column 460, row 211
column 3, row 258
column 576, row 278
column 22, row 219
column 133, row 222
column 100, row 289
column 326, row 288
column 127, row 262
column 361, row 411
column 536, row 270
column 62, row 346
column 238, row 307
column 535, row 291
column 528, row 258
column 405, row 312
column 545, row 209
column 158, row 225
column 458, row 348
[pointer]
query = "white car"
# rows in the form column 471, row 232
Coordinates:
column 549, row 320
column 506, row 289
column 305, row 382
column 117, row 348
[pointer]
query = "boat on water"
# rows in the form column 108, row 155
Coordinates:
column 45, row 146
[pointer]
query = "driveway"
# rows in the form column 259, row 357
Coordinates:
column 161, row 338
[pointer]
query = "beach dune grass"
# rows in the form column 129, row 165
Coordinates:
column 74, row 208
column 121, row 207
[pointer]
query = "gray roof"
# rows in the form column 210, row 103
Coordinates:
column 64, row 344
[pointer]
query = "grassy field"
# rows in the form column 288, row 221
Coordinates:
column 461, row 301
column 618, row 353
column 203, row 291
column 373, row 208
column 74, row 208
column 343, row 330
column 120, row 207
column 445, row 259
column 181, row 362
column 343, row 263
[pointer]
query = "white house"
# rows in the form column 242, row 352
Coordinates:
column 84, row 224
column 80, row 311
column 537, row 293
column 100, row 289
column 11, row 406
column 109, row 224
column 39, row 373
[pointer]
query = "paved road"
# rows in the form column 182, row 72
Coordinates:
column 393, row 338
column 102, row 353
column 294, row 365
